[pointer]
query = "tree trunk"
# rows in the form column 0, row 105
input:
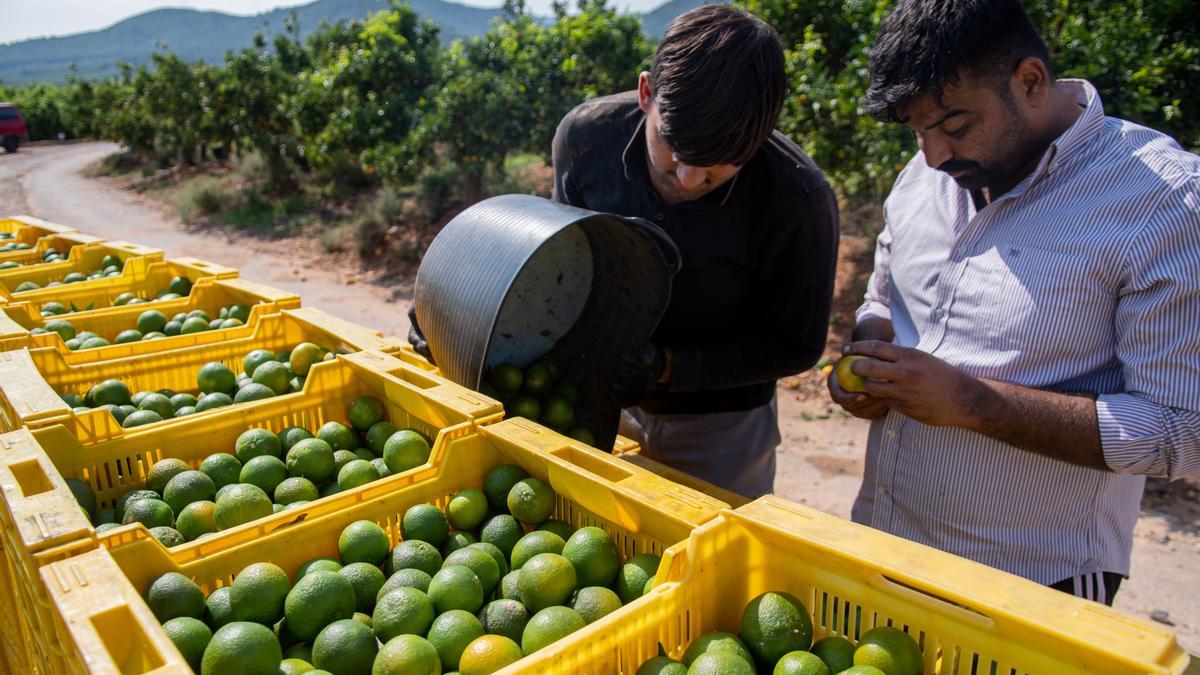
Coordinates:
column 474, row 187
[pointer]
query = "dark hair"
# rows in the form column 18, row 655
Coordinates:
column 718, row 81
column 925, row 44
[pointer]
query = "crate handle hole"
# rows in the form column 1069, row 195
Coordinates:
column 122, row 636
column 31, row 478
column 971, row 611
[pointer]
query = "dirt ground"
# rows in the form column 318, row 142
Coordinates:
column 820, row 461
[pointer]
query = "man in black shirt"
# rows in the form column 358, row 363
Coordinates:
column 694, row 150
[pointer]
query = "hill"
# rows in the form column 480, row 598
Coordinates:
column 201, row 36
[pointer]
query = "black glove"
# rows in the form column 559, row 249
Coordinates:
column 415, row 337
column 637, row 375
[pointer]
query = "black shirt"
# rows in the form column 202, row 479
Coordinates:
column 751, row 302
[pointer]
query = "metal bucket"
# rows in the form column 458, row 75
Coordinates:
column 515, row 275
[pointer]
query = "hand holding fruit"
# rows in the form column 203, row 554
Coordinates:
column 847, row 388
column 415, row 337
column 909, row 381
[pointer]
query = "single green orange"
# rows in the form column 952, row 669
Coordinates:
column 548, row 626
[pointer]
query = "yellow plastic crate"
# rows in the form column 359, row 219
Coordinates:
column 46, row 522
column 28, row 230
column 209, row 294
column 81, row 259
column 967, row 618
column 143, row 276
column 102, row 623
column 63, row 243
column 644, row 513
column 36, row 526
column 32, row 381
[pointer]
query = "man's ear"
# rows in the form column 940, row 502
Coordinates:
column 645, row 94
column 1031, row 82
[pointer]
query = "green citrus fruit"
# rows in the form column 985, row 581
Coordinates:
column 356, row 473
column 291, row 436
column 363, row 541
column 594, row 556
column 546, row 579
column 594, row 602
column 715, row 642
column 467, row 509
column 217, row 399
column 223, row 468
column 295, row 489
column 774, row 624
column 149, row 512
column 404, row 450
column 240, row 504
column 538, row 541
column 172, row 594
column 364, row 412
column 425, row 522
column 507, row 378
column 633, row 575
column 346, row 646
column 273, row 375
column 311, row 458
column 378, row 435
column 196, row 519
column 258, row 592
column 456, row 587
column 837, row 652
column 487, row 654
column 405, row 654
column 316, row 601
column 187, row 487
column 531, row 501
column 190, row 637
column 450, row 634
column 889, row 649
column 503, row 532
column 481, row 563
column 402, row 610
column 265, row 472
column 367, row 580
column 242, row 647
column 499, row 482
column 801, row 663
column 338, row 436
column 405, row 578
column 215, row 377
column 303, row 356
column 548, row 626
column 415, row 554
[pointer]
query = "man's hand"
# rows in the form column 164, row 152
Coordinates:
column 415, row 337
column 860, row 405
column 917, row 384
column 637, row 374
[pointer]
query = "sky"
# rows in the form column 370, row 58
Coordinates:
column 40, row 18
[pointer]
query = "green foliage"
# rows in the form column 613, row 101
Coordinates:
column 1142, row 55
column 356, row 104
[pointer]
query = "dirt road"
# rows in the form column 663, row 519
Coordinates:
column 820, row 461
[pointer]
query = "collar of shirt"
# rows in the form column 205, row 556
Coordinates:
column 636, row 171
column 1074, row 143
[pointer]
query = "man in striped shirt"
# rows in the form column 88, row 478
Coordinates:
column 1031, row 324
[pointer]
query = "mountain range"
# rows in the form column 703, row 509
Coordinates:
column 206, row 35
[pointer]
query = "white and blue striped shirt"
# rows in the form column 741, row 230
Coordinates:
column 1083, row 278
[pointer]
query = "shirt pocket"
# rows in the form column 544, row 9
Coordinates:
column 1028, row 299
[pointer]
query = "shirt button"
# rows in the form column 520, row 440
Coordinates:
column 891, row 433
column 960, row 250
column 938, row 314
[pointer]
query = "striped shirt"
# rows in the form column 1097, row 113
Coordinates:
column 1084, row 278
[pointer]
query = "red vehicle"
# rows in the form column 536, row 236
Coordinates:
column 12, row 127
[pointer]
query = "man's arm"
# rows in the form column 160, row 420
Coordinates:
column 1151, row 428
column 931, row 391
column 793, row 318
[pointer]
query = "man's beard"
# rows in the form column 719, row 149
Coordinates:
column 1016, row 149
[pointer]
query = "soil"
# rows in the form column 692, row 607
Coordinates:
column 820, row 462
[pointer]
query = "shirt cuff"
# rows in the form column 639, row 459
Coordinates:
column 1133, row 435
column 873, row 308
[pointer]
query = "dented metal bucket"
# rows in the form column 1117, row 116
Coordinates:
column 515, row 275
